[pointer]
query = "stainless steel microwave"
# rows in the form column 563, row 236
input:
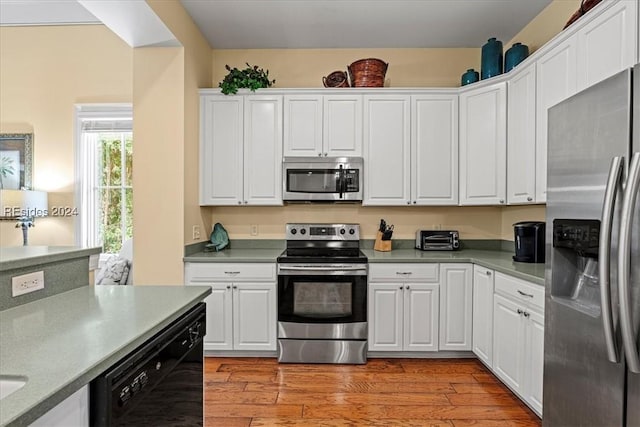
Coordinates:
column 324, row 179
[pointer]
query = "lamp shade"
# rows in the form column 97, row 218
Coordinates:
column 23, row 203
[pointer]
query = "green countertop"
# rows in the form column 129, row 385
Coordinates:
column 497, row 260
column 62, row 342
column 22, row 256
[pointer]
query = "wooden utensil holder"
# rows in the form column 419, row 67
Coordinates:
column 381, row 245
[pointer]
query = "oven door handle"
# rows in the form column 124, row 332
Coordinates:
column 332, row 269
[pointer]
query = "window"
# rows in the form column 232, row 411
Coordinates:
column 104, row 160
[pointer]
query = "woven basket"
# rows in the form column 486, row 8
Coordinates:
column 336, row 79
column 368, row 72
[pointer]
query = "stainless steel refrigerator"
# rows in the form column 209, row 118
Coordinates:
column 592, row 274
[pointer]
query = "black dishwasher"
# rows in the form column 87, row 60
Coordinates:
column 158, row 384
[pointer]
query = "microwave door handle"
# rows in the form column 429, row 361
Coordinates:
column 341, row 182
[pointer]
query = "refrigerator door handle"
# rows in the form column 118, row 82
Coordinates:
column 624, row 260
column 604, row 256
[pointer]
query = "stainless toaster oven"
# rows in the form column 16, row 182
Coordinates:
column 437, row 240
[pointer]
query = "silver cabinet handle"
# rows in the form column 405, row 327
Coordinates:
column 228, row 286
column 488, row 273
column 524, row 294
column 245, row 202
column 526, row 314
column 502, row 201
column 403, row 273
column 319, row 154
column 239, row 202
column 604, row 256
column 529, row 199
column 401, row 287
column 624, row 259
column 408, row 202
column 232, row 273
column 414, row 202
column 326, row 154
column 519, row 311
column 235, row 287
column 408, row 287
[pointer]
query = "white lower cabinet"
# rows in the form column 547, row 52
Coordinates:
column 403, row 313
column 483, row 314
column 456, row 294
column 242, row 308
column 71, row 412
column 518, row 337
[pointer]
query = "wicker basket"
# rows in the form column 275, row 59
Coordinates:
column 368, row 72
column 336, row 79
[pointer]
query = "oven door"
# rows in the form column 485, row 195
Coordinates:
column 322, row 301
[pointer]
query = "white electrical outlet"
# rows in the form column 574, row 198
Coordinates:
column 254, row 229
column 196, row 232
column 27, row 283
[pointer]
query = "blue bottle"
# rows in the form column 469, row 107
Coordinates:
column 491, row 58
column 515, row 55
column 471, row 76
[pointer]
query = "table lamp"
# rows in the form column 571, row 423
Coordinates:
column 23, row 206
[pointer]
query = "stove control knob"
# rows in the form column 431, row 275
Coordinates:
column 342, row 231
column 303, row 231
column 294, row 231
column 352, row 231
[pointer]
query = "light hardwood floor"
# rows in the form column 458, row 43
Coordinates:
column 384, row 392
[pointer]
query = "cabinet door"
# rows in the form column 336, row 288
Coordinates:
column 456, row 299
column 508, row 342
column 342, row 125
column 221, row 141
column 434, row 149
column 483, row 314
column 385, row 316
column 521, row 137
column 386, row 149
column 555, row 81
column 254, row 316
column 607, row 44
column 302, row 125
column 534, row 360
column 219, row 317
column 71, row 412
column 483, row 145
column 263, row 150
column 420, row 317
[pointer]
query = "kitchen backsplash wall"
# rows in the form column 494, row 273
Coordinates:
column 473, row 222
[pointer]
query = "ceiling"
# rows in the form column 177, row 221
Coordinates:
column 331, row 24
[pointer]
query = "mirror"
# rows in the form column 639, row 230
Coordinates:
column 16, row 157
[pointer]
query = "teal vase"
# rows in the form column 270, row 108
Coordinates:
column 491, row 59
column 515, row 55
column 471, row 76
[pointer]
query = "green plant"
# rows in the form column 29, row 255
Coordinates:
column 250, row 78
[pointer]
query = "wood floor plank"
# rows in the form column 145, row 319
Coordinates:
column 257, row 397
column 226, row 422
column 218, row 377
column 250, row 411
column 438, row 412
column 480, row 388
column 251, row 376
column 497, row 423
column 444, row 366
column 334, row 398
column 483, row 399
column 374, row 365
column 289, row 377
column 351, row 422
column 486, row 377
column 354, row 387
column 213, row 387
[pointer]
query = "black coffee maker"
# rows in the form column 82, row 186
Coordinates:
column 529, row 241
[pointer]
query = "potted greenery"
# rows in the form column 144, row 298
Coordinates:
column 250, row 78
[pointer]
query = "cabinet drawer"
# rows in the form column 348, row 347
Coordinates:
column 230, row 272
column 519, row 290
column 404, row 272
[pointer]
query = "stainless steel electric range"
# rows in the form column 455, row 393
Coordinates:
column 322, row 295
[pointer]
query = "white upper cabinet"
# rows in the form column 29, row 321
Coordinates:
column 263, row 150
column 221, row 142
column 608, row 43
column 521, row 136
column 240, row 150
column 434, row 149
column 483, row 145
column 555, row 81
column 387, row 149
column 342, row 125
column 302, row 125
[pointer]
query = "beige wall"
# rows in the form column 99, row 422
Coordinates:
column 44, row 71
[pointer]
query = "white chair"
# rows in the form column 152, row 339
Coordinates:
column 126, row 252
